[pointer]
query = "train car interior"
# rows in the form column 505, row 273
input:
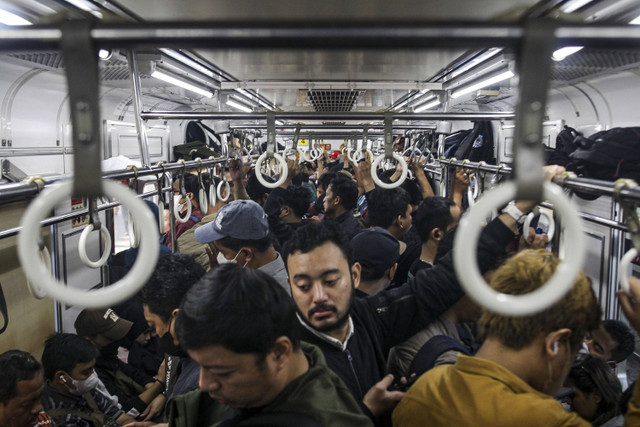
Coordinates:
column 103, row 96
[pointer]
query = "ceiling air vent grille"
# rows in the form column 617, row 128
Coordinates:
column 588, row 62
column 334, row 100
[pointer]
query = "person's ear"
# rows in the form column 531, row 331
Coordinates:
column 248, row 254
column 596, row 396
column 393, row 270
column 60, row 377
column 281, row 351
column 556, row 343
column 436, row 234
column 356, row 270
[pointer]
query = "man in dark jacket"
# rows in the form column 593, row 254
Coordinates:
column 339, row 200
column 355, row 335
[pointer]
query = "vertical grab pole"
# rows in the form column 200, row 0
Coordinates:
column 143, row 140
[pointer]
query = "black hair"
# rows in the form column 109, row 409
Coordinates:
column 191, row 186
column 255, row 190
column 208, row 180
column 347, row 189
column 371, row 274
column 623, row 336
column 62, row 352
column 300, row 178
column 260, row 245
column 173, row 276
column 325, row 180
column 15, row 365
column 433, row 212
column 242, row 310
column 384, row 206
column 298, row 199
column 313, row 235
column 589, row 374
column 445, row 245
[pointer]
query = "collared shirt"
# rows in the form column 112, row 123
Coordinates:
column 52, row 399
column 278, row 271
column 479, row 392
column 333, row 341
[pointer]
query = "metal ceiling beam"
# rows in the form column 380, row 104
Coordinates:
column 337, row 85
column 291, row 35
column 174, row 115
column 336, row 126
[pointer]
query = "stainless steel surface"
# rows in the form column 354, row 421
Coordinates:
column 172, row 115
column 138, row 107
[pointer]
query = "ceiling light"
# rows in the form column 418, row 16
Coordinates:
column 188, row 86
column 635, row 21
column 573, row 5
column 562, row 53
column 105, row 54
column 188, row 62
column 477, row 60
column 234, row 104
column 484, row 83
column 8, row 18
column 86, row 6
column 426, row 106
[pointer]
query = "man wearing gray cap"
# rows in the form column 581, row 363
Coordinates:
column 378, row 252
column 240, row 232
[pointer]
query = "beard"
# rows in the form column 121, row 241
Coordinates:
column 330, row 326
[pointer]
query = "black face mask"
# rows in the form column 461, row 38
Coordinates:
column 110, row 351
column 167, row 346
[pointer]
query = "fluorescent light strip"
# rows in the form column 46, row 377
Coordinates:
column 495, row 79
column 8, row 18
column 573, row 5
column 562, row 53
column 232, row 103
column 253, row 97
column 188, row 62
column 422, row 100
column 480, row 58
column 427, row 106
column 87, row 7
column 635, row 21
column 188, row 86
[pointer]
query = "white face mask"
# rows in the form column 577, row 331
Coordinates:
column 177, row 206
column 84, row 386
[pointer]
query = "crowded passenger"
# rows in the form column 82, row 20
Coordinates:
column 70, row 396
column 188, row 185
column 612, row 342
column 21, row 387
column 240, row 232
column 161, row 295
column 106, row 331
column 377, row 252
column 240, row 326
column 522, row 362
column 339, row 201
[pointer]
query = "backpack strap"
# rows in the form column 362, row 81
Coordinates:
column 195, row 219
column 431, row 350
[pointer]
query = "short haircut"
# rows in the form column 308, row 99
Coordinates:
column 325, row 179
column 15, row 366
column 622, row 334
column 369, row 274
column 62, row 352
column 173, row 276
column 242, row 310
column 313, row 235
column 526, row 271
column 589, row 374
column 256, row 190
column 445, row 245
column 260, row 245
column 298, row 199
column 433, row 212
column 347, row 189
column 191, row 186
column 384, row 206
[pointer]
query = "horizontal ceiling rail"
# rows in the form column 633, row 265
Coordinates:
column 329, row 85
column 345, row 35
column 179, row 115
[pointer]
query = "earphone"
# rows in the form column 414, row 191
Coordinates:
column 62, row 378
column 555, row 348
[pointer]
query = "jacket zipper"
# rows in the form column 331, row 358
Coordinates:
column 350, row 358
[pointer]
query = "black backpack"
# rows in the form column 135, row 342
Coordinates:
column 478, row 145
column 565, row 145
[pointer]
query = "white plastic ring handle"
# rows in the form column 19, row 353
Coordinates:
column 134, row 239
column 475, row 185
column 176, row 213
column 40, row 277
column 283, row 175
column 623, row 271
column 354, row 155
column 227, row 188
column 160, row 216
column 204, row 202
column 316, row 153
column 466, row 266
column 82, row 247
column 548, row 216
column 403, row 176
column 212, row 193
column 35, row 290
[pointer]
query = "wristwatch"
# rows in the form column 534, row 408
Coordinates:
column 512, row 210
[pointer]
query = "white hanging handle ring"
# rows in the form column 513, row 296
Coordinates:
column 403, row 175
column 82, row 246
column 227, row 187
column 41, row 277
column 283, row 168
column 134, row 239
column 527, row 223
column 34, row 290
column 466, row 265
column 623, row 271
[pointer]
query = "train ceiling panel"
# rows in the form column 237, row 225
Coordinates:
column 589, row 62
column 334, row 100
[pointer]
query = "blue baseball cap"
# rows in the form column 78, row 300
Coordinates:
column 240, row 219
column 376, row 249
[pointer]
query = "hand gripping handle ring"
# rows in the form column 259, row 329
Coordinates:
column 403, row 176
column 548, row 216
column 124, row 288
column 623, row 271
column 466, row 266
column 283, row 175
